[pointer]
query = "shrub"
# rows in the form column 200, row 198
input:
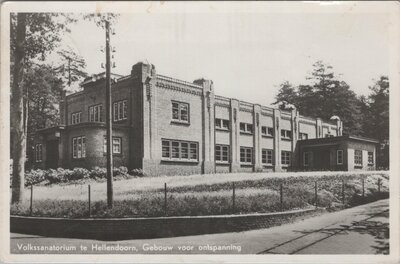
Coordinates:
column 98, row 173
column 120, row 171
column 137, row 172
column 53, row 177
column 34, row 177
column 77, row 174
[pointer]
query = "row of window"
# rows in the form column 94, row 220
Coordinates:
column 339, row 157
column 79, row 146
column 180, row 113
column 179, row 150
column 120, row 112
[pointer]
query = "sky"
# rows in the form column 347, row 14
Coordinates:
column 246, row 54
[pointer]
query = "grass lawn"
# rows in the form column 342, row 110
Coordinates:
column 202, row 194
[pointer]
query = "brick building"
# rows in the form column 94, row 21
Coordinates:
column 168, row 126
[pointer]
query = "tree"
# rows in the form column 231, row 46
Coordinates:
column 71, row 69
column 33, row 36
column 376, row 122
column 324, row 97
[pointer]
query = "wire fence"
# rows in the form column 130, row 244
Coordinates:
column 242, row 198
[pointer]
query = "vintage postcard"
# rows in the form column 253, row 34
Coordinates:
column 229, row 132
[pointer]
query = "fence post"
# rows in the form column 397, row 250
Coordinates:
column 90, row 208
column 316, row 194
column 363, row 187
column 343, row 191
column 379, row 186
column 165, row 199
column 281, row 195
column 31, row 202
column 233, row 198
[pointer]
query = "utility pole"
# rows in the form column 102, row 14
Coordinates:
column 110, row 194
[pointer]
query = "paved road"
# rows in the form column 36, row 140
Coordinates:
column 359, row 230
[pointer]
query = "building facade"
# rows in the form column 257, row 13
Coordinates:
column 170, row 127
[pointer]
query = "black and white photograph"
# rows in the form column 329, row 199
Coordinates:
column 226, row 132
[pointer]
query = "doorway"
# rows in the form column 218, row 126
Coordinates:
column 52, row 154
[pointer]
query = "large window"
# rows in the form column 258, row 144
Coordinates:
column 267, row 156
column 116, row 146
column 339, row 157
column 246, row 155
column 222, row 153
column 267, row 131
column 78, row 147
column 370, row 158
column 179, row 150
column 96, row 113
column 286, row 134
column 285, row 158
column 120, row 110
column 38, row 152
column 358, row 157
column 222, row 124
column 306, row 158
column 303, row 136
column 76, row 118
column 246, row 128
column 180, row 112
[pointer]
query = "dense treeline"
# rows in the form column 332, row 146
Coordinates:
column 324, row 95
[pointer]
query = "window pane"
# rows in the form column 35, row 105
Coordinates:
column 105, row 144
column 117, row 145
column 115, row 112
column 184, row 112
column 175, row 149
column 184, row 150
column 264, row 130
column 288, row 134
column 218, row 153
column 165, row 149
column 250, row 128
column 79, row 144
column 225, row 151
column 283, row 134
column 270, row 131
column 242, row 155
column 175, row 111
column 125, row 109
column 225, row 124
column 83, row 147
column 218, row 123
column 193, row 151
column 242, row 127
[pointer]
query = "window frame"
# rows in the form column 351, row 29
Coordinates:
column 267, row 133
column 120, row 109
column 285, row 133
column 370, row 156
column 96, row 111
column 219, row 124
column 180, row 120
column 112, row 145
column 247, row 151
column 189, row 152
column 301, row 134
column 39, row 152
column 219, row 149
column 246, row 128
column 286, row 164
column 337, row 157
column 79, row 147
column 267, row 152
column 76, row 118
column 358, row 158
